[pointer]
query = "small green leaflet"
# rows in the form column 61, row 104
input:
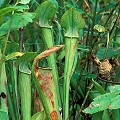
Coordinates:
column 99, row 28
column 24, row 1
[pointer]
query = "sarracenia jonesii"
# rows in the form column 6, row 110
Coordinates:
column 46, row 85
column 72, row 21
column 25, row 83
column 3, row 83
column 45, row 13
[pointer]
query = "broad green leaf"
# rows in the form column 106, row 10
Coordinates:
column 13, row 55
column 24, row 60
column 100, row 28
column 24, row 1
column 104, row 102
column 100, row 103
column 115, row 103
column 3, row 3
column 39, row 116
column 3, row 115
column 45, row 12
column 72, row 21
column 89, row 75
column 115, row 89
column 112, row 52
column 7, row 10
column 98, row 87
column 17, row 21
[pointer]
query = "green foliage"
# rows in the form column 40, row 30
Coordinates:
column 106, row 101
column 13, row 55
column 29, row 32
column 100, row 28
column 98, row 87
column 24, row 1
column 112, row 52
column 8, row 10
column 16, row 21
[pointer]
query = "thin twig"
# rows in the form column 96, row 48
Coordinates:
column 94, row 18
column 90, row 88
column 22, row 40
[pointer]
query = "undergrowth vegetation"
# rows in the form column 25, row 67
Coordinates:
column 59, row 60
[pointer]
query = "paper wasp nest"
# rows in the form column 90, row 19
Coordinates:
column 106, row 67
column 105, row 70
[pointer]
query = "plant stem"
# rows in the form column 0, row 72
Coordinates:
column 90, row 88
column 21, row 40
column 107, row 47
column 94, row 18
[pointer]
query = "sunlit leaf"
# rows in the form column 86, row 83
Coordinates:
column 100, row 103
column 114, row 89
column 24, row 1
column 6, row 10
column 13, row 55
column 106, row 101
column 17, row 21
column 100, row 28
